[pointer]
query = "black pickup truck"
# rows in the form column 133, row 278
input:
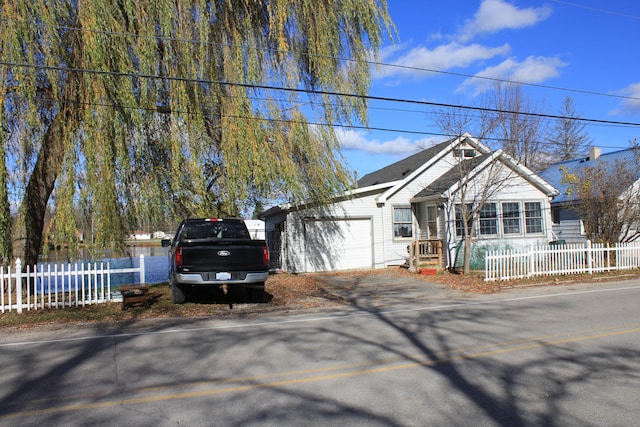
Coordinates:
column 216, row 252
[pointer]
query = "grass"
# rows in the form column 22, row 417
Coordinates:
column 282, row 291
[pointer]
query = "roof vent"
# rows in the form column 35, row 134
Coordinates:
column 594, row 153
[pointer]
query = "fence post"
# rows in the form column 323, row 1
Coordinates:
column 589, row 264
column 142, row 272
column 19, row 285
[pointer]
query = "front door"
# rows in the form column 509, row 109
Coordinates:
column 427, row 214
column 432, row 222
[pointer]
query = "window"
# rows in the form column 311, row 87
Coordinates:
column 533, row 217
column 555, row 215
column 464, row 152
column 459, row 221
column 432, row 222
column 402, row 223
column 489, row 219
column 511, row 218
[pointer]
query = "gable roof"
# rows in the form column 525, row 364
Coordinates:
column 553, row 174
column 403, row 168
column 451, row 177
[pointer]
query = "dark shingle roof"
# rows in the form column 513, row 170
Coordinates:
column 553, row 174
column 451, row 177
column 401, row 169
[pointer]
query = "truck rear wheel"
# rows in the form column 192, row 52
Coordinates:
column 177, row 294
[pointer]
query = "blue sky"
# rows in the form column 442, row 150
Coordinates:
column 586, row 49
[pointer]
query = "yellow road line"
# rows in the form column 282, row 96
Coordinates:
column 533, row 343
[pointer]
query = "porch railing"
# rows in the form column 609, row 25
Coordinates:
column 425, row 252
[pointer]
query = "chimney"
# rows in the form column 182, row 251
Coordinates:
column 594, row 153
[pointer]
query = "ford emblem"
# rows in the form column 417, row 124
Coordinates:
column 224, row 253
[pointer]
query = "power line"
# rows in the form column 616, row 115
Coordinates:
column 374, row 63
column 310, row 123
column 581, row 6
column 312, row 92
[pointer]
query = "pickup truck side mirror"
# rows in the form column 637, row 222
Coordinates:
column 165, row 242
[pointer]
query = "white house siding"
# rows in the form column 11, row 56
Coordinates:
column 569, row 228
column 256, row 228
column 335, row 237
column 516, row 190
column 396, row 249
column 306, row 247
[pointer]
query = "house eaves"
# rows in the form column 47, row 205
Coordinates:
column 355, row 193
column 448, row 182
column 526, row 173
column 431, row 156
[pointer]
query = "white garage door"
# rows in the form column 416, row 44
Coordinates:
column 338, row 244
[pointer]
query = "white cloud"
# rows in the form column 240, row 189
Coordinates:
column 534, row 69
column 442, row 58
column 357, row 141
column 629, row 106
column 497, row 15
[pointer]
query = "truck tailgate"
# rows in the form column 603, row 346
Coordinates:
column 222, row 255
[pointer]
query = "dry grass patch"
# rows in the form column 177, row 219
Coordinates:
column 284, row 292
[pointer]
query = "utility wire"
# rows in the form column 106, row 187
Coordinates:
column 581, row 6
column 312, row 92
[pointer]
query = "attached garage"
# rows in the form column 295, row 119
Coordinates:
column 333, row 244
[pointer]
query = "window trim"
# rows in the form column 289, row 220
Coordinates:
column 502, row 220
column 394, row 222
column 511, row 218
column 458, row 219
column 489, row 219
column 539, row 218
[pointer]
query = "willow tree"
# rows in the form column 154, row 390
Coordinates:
column 192, row 107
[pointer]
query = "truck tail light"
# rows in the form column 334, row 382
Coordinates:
column 178, row 256
column 265, row 255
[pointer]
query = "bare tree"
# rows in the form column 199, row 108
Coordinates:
column 480, row 179
column 568, row 137
column 513, row 123
column 473, row 199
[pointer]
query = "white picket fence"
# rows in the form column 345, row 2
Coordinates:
column 59, row 285
column 551, row 260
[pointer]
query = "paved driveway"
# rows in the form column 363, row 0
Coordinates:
column 380, row 290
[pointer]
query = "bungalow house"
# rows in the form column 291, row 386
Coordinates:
column 412, row 207
column 567, row 223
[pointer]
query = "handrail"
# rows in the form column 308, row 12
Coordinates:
column 429, row 250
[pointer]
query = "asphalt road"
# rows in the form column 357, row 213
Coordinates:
column 541, row 356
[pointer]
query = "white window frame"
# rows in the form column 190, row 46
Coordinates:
column 539, row 218
column 459, row 221
column 395, row 222
column 495, row 220
column 511, row 218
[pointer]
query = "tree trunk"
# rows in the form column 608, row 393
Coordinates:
column 27, row 233
column 467, row 256
column 5, row 214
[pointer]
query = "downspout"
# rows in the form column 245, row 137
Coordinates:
column 384, row 239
